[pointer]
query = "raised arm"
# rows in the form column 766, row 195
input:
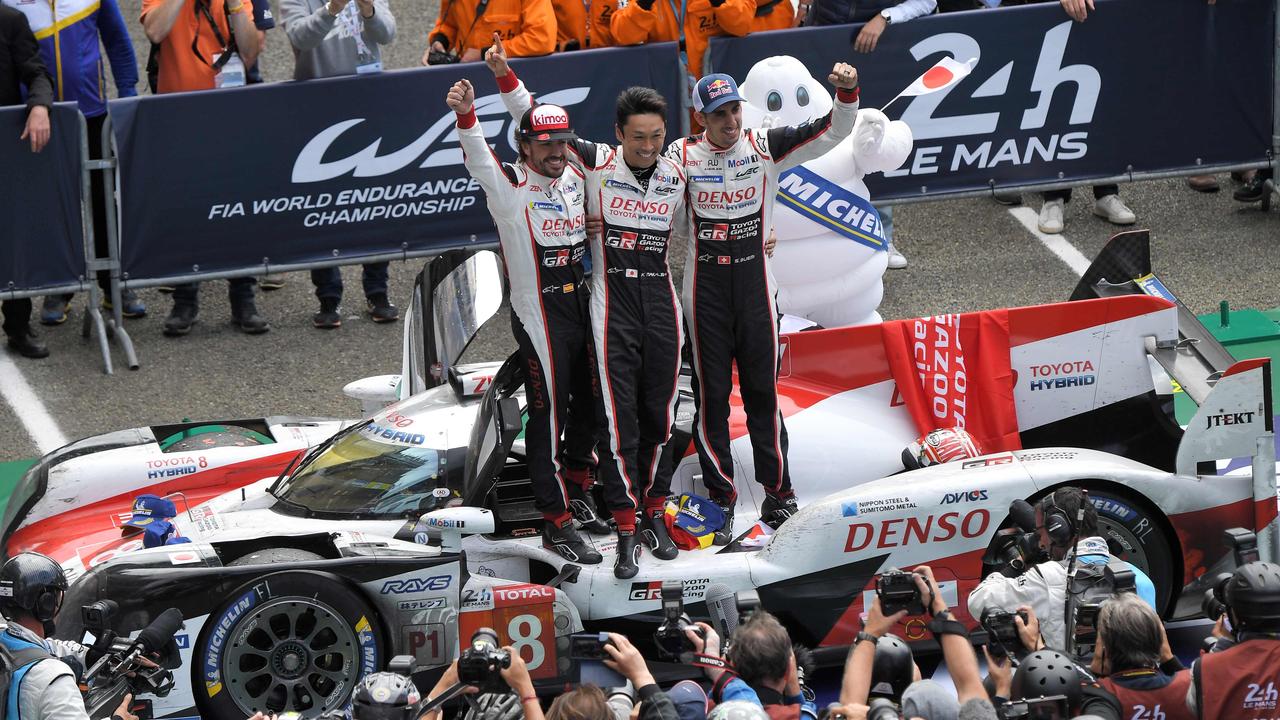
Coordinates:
column 476, row 153
column 796, row 144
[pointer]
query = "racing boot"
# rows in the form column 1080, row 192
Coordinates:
column 566, row 541
column 627, row 564
column 724, row 535
column 653, row 528
column 776, row 510
column 583, row 507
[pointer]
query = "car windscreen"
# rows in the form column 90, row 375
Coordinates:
column 371, row 472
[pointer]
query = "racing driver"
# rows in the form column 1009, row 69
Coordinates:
column 538, row 205
column 635, row 316
column 728, row 289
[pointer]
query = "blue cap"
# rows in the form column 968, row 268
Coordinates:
column 713, row 91
column 150, row 508
column 690, row 700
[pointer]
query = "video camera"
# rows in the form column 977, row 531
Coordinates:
column 670, row 637
column 897, row 590
column 1053, row 707
column 1084, row 600
column 1002, row 631
column 120, row 665
column 1015, row 549
column 482, row 662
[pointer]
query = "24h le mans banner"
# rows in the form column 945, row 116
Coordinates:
column 1141, row 86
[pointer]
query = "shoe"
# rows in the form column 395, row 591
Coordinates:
column 132, row 307
column 165, row 289
column 54, row 310
column 777, row 510
column 180, row 320
column 1009, row 199
column 566, row 541
column 584, row 511
column 328, row 318
column 1243, row 176
column 27, row 346
column 1253, row 190
column 382, row 310
column 246, row 318
column 724, row 535
column 271, row 282
column 896, row 259
column 1051, row 217
column 1112, row 209
column 1203, row 183
column 653, row 530
column 627, row 563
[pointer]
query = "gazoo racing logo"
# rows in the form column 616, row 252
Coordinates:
column 713, row 231
column 436, row 143
column 652, row 590
column 622, row 239
column 415, row 585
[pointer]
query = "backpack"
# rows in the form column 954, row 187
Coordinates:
column 12, row 662
column 1088, row 586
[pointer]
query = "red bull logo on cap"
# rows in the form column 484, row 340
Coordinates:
column 718, row 87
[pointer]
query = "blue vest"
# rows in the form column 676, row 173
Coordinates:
column 841, row 12
column 19, row 646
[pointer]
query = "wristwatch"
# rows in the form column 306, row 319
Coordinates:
column 864, row 635
column 888, row 20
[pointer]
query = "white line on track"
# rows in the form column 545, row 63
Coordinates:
column 26, row 405
column 1057, row 244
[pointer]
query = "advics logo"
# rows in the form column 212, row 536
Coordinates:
column 960, row 497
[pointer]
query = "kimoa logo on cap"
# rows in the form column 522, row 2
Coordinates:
column 546, row 117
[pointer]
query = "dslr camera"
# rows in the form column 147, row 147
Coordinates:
column 482, row 662
column 897, row 591
column 670, row 636
column 1053, row 707
column 441, row 57
column 1244, row 548
column 1002, row 631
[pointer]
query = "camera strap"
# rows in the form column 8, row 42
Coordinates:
column 228, row 47
column 711, row 661
column 946, row 624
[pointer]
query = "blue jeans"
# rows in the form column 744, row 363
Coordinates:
column 239, row 292
column 328, row 281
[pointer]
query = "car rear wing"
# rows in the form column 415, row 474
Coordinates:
column 1197, row 360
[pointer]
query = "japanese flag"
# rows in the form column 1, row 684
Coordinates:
column 946, row 73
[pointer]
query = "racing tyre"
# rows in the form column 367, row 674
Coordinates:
column 296, row 640
column 1137, row 535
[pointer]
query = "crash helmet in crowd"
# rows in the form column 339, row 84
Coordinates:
column 33, row 583
column 940, row 446
column 1253, row 598
column 1046, row 673
column 893, row 668
column 385, row 696
column 737, row 710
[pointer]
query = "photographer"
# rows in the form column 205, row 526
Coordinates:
column 764, row 658
column 726, row 686
column 44, row 672
column 1067, row 524
column 1133, row 658
column 1239, row 681
column 958, row 653
column 515, row 675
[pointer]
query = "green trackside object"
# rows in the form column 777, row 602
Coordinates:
column 10, row 474
column 1245, row 334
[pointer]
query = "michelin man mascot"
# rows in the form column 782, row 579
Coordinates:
column 831, row 252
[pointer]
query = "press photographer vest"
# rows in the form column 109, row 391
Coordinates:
column 1168, row 702
column 1240, row 682
column 19, row 657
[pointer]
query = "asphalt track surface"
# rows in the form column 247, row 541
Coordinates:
column 964, row 255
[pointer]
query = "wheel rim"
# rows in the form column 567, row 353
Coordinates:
column 1134, row 551
column 291, row 654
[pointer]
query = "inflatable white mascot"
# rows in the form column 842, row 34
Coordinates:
column 831, row 253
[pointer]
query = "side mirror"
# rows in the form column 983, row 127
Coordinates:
column 452, row 523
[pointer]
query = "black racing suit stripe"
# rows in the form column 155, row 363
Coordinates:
column 784, row 140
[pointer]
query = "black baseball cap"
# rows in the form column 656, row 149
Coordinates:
column 546, row 122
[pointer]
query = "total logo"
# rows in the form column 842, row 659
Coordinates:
column 311, row 165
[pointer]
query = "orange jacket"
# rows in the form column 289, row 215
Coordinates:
column 773, row 15
column 571, row 22
column 528, row 27
column 633, row 24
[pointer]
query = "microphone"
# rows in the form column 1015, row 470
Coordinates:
column 1023, row 515
column 722, row 606
column 155, row 636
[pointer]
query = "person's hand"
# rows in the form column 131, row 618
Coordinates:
column 876, row 623
column 627, row 661
column 595, row 226
column 1029, row 632
column 436, row 46
column 259, row 716
column 870, row 35
column 262, row 41
column 1001, row 671
column 802, row 13
column 496, row 57
column 770, row 242
column 852, row 711
column 517, row 673
column 335, row 7
column 1220, row 628
column 843, row 76
column 461, row 97
column 1078, row 9
column 470, row 55
column 122, row 711
column 37, row 129
column 446, row 681
column 710, row 646
column 366, row 8
column 929, row 588
column 1166, row 652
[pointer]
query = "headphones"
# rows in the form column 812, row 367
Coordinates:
column 1057, row 524
column 47, row 603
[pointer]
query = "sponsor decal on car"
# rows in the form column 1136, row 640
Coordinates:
column 368, row 646
column 987, row 462
column 652, row 590
column 435, row 603
column 964, row 496
column 415, row 585
column 477, row 598
column 521, row 594
column 184, row 557
column 182, row 641
column 901, row 532
column 866, row 507
column 221, row 629
column 390, row 435
column 1055, row 376
column 1114, row 508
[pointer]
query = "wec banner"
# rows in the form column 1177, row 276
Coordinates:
column 1141, row 86
column 339, row 168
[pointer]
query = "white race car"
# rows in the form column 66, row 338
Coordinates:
column 404, row 532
